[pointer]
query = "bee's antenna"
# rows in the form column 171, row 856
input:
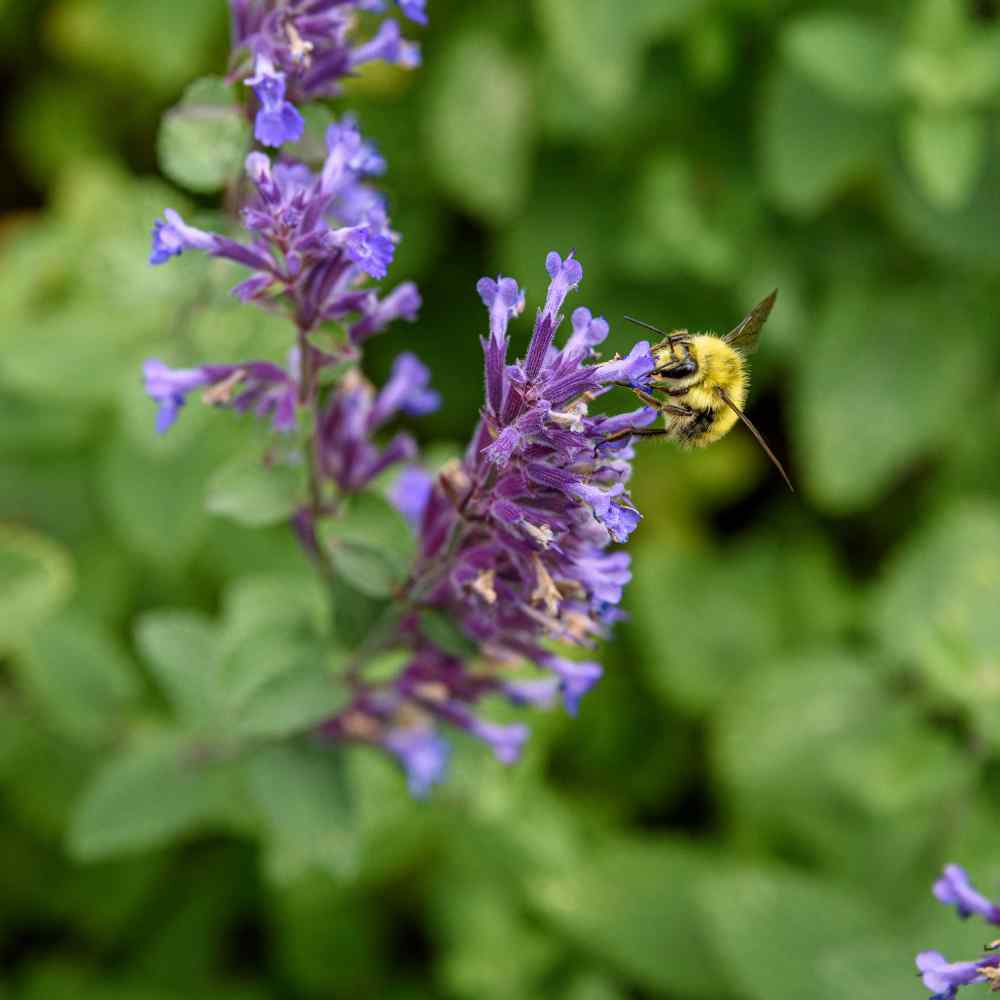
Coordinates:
column 756, row 433
column 670, row 338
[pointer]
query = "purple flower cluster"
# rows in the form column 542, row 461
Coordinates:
column 314, row 238
column 514, row 555
column 514, row 539
column 290, row 51
column 941, row 977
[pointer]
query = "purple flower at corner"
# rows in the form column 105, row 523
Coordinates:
column 278, row 121
column 943, row 978
column 954, row 888
column 423, row 755
column 415, row 10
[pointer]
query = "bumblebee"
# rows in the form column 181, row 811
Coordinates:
column 704, row 379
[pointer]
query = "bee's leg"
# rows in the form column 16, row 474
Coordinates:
column 657, row 404
column 678, row 411
column 648, row 398
column 636, row 432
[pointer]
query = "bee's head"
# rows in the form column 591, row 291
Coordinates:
column 678, row 365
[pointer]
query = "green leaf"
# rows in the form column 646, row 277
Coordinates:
column 180, row 649
column 946, row 152
column 599, row 45
column 770, row 587
column 778, row 916
column 371, row 545
column 36, row 577
column 293, row 601
column 255, row 494
column 850, row 57
column 937, row 607
column 301, row 793
column 153, row 494
column 479, row 126
column 634, row 905
column 867, row 403
column 812, row 147
column 814, row 753
column 80, row 676
column 204, row 139
column 295, row 699
column 148, row 795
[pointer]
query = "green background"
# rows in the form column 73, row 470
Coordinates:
column 799, row 724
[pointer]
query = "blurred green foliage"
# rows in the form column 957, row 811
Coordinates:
column 799, row 724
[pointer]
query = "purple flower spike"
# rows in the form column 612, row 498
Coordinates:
column 514, row 537
column 424, row 756
column 943, row 978
column 278, row 121
column 954, row 888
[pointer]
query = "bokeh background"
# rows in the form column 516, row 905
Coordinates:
column 798, row 725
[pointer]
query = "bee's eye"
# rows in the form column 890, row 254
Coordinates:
column 679, row 369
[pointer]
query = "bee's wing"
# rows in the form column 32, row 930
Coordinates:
column 746, row 335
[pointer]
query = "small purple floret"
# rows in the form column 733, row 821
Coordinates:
column 423, row 754
column 955, row 889
column 278, row 121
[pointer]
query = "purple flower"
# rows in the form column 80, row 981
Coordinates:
column 314, row 44
column 169, row 388
column 423, row 754
column 943, row 978
column 576, row 678
column 278, row 121
column 414, row 10
column 355, row 412
column 506, row 742
column 261, row 386
column 371, row 250
column 313, row 239
column 389, row 46
column 171, row 237
column 955, row 888
column 408, row 389
column 410, row 493
column 514, row 537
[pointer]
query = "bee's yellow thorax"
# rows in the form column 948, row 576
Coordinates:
column 719, row 367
